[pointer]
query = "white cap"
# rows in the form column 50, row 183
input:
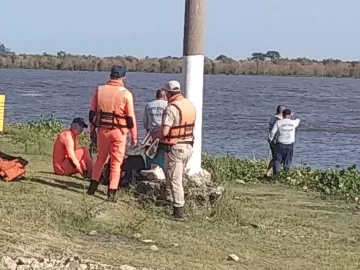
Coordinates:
column 172, row 86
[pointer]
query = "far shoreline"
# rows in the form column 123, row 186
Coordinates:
column 222, row 65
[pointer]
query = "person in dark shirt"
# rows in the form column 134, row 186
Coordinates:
column 272, row 121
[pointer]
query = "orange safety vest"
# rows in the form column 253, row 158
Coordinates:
column 11, row 170
column 184, row 132
column 111, row 104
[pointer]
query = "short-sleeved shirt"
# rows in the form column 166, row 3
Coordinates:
column 153, row 114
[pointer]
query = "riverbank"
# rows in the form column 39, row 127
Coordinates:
column 344, row 183
column 221, row 65
column 50, row 216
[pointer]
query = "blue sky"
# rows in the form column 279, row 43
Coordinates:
column 311, row 28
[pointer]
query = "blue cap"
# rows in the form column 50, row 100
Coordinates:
column 80, row 121
column 118, row 72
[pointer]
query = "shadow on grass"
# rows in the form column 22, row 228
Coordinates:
column 73, row 176
column 65, row 185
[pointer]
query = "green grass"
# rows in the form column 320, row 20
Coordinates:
column 293, row 224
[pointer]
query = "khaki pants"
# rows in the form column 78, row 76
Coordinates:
column 175, row 164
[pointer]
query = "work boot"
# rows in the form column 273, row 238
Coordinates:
column 93, row 187
column 112, row 195
column 178, row 214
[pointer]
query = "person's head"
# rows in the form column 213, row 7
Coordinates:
column 161, row 94
column 280, row 109
column 78, row 125
column 172, row 88
column 118, row 73
column 286, row 113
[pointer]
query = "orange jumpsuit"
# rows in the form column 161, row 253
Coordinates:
column 113, row 105
column 67, row 158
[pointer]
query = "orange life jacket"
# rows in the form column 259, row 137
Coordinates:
column 184, row 132
column 111, row 106
column 11, row 170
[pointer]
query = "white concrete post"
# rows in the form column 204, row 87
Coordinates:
column 193, row 71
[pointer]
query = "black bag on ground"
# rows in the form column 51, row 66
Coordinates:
column 130, row 171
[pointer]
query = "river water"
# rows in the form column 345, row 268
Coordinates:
column 236, row 109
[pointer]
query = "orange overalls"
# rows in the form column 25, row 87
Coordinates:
column 67, row 158
column 113, row 114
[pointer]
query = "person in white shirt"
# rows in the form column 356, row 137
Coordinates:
column 284, row 131
column 152, row 118
column 153, row 111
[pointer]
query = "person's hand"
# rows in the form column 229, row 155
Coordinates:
column 80, row 171
column 93, row 136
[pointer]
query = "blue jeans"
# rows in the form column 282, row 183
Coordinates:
column 283, row 154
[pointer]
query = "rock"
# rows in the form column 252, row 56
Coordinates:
column 242, row 182
column 155, row 188
column 22, row 261
column 127, row 267
column 7, row 263
column 202, row 190
column 233, row 257
column 137, row 235
column 175, row 244
column 35, row 265
column 154, row 248
column 56, row 262
column 93, row 233
column 23, row 267
column 148, row 241
column 70, row 263
column 199, row 189
column 74, row 265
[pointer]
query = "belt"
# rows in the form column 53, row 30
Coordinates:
column 191, row 143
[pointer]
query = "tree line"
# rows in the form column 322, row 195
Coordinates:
column 270, row 63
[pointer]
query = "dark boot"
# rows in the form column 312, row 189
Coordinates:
column 112, row 195
column 178, row 214
column 93, row 187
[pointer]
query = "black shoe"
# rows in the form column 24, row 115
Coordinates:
column 93, row 187
column 178, row 214
column 112, row 195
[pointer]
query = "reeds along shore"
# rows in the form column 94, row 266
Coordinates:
column 221, row 65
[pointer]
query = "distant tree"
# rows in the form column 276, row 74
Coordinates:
column 221, row 57
column 4, row 49
column 61, row 54
column 273, row 55
column 258, row 56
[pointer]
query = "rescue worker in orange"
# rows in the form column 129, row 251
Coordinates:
column 67, row 158
column 177, row 135
column 112, row 114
